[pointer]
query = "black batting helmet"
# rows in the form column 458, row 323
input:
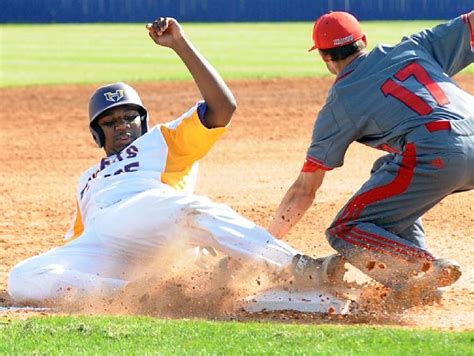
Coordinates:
column 110, row 96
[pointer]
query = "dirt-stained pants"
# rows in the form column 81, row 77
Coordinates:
column 379, row 230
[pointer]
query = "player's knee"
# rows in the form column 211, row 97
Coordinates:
column 19, row 288
column 336, row 242
column 30, row 285
column 331, row 235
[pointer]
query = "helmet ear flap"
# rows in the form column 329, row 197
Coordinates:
column 97, row 135
column 144, row 122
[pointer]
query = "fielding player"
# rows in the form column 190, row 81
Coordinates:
column 400, row 99
column 136, row 205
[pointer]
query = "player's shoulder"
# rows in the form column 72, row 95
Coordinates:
column 89, row 172
column 446, row 30
column 151, row 131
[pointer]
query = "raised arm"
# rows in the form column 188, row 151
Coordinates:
column 296, row 201
column 221, row 104
column 451, row 44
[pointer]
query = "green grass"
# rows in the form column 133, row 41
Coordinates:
column 98, row 53
column 128, row 335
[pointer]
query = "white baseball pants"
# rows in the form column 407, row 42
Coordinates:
column 126, row 236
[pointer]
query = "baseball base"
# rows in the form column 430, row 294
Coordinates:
column 27, row 309
column 312, row 301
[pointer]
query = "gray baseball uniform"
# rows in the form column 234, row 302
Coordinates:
column 400, row 99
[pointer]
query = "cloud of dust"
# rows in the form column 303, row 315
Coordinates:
column 174, row 286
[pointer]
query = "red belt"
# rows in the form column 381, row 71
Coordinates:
column 438, row 125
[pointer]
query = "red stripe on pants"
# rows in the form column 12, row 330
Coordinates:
column 353, row 210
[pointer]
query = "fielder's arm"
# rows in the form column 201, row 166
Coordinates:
column 221, row 104
column 296, row 201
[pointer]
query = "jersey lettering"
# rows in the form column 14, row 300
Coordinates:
column 131, row 167
column 104, row 162
column 410, row 99
column 130, row 152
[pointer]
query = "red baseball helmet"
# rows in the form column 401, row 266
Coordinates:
column 336, row 29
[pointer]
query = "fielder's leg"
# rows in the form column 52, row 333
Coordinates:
column 379, row 230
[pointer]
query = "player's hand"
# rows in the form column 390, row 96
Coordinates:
column 165, row 31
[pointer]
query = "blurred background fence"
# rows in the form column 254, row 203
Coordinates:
column 74, row 11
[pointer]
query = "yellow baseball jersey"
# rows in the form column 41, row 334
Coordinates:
column 166, row 157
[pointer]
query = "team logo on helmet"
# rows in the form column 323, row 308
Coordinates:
column 114, row 97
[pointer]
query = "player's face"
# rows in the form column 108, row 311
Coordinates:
column 121, row 126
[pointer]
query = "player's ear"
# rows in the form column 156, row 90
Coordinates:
column 326, row 57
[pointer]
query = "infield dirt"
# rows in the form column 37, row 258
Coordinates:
column 46, row 145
